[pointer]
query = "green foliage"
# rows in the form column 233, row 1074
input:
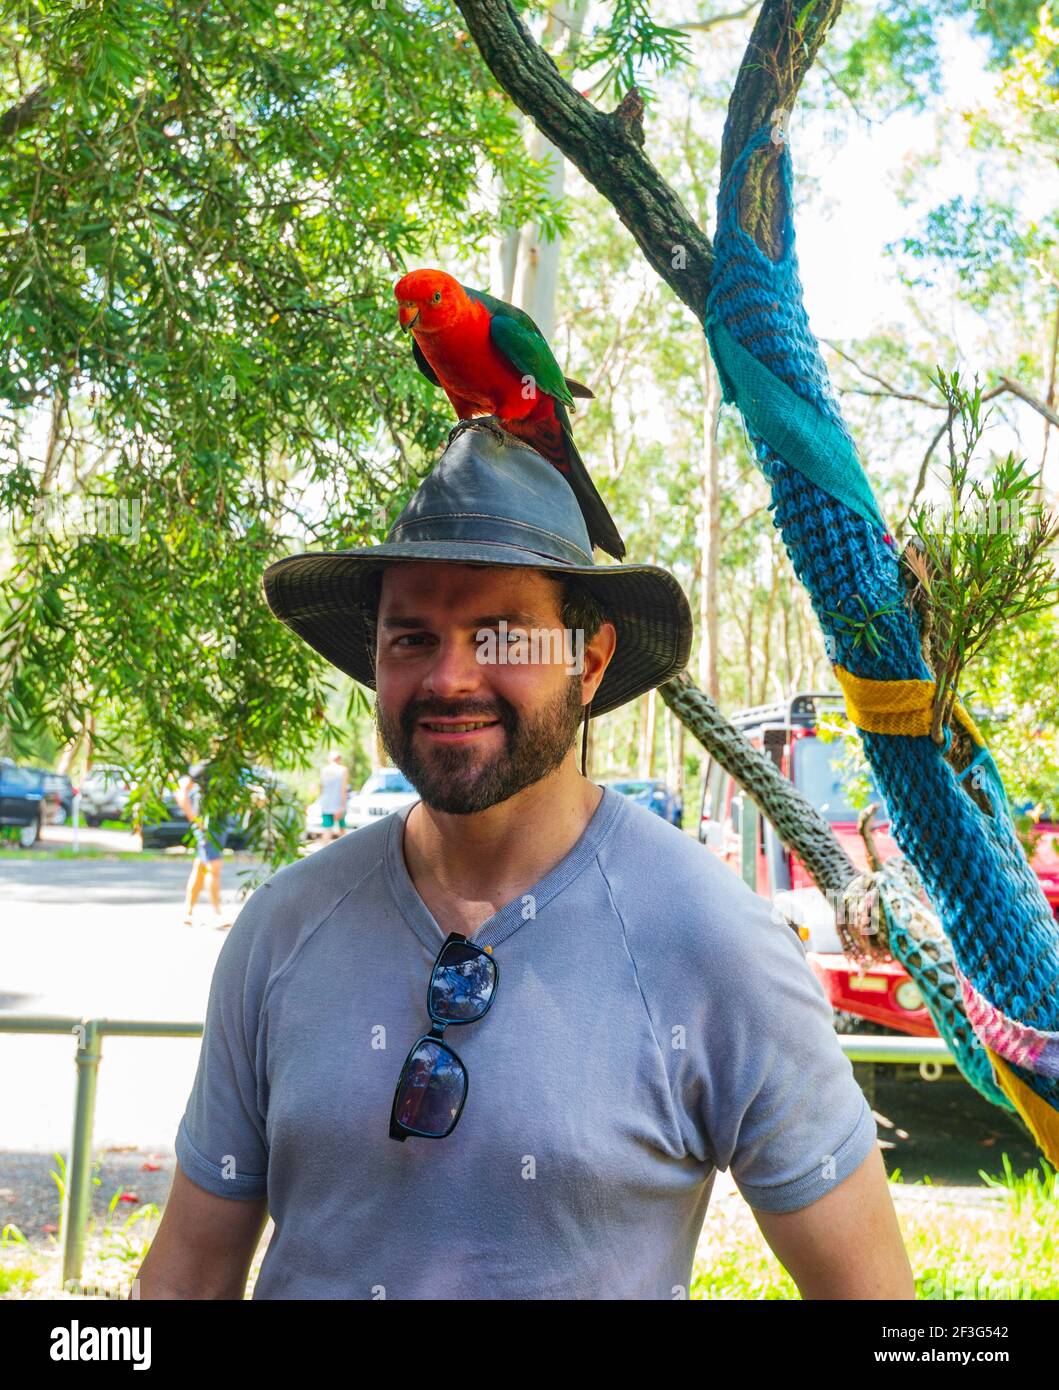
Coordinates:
column 862, row 623
column 1005, row 24
column 893, row 56
column 889, row 57
column 980, row 561
column 629, row 43
column 202, row 215
column 984, row 243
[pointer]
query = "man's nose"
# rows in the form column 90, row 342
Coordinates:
column 455, row 667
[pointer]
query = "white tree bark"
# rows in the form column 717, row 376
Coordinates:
column 536, row 267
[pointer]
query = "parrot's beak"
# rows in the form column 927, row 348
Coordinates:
column 407, row 318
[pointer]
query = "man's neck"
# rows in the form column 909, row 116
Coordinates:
column 466, row 868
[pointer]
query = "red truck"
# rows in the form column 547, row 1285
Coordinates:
column 882, row 997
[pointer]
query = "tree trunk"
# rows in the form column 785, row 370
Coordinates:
column 709, row 533
column 537, row 259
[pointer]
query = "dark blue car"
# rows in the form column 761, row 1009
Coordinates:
column 22, row 800
column 656, row 796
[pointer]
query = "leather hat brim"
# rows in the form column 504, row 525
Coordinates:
column 320, row 596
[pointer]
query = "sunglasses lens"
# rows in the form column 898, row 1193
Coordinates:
column 433, row 1089
column 462, row 984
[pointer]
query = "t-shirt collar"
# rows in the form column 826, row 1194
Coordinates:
column 510, row 917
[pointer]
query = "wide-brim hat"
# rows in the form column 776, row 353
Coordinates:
column 492, row 500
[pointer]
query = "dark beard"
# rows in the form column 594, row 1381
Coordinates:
column 452, row 779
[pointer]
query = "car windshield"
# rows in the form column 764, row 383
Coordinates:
column 387, row 782
column 632, row 788
column 818, row 774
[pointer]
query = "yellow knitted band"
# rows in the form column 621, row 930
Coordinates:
column 1042, row 1120
column 895, row 707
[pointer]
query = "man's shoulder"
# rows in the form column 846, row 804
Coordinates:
column 334, row 867
column 643, row 840
column 298, row 897
column 674, row 892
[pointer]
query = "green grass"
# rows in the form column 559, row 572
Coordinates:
column 85, row 852
column 16, row 1278
column 1006, row 1251
column 956, row 1251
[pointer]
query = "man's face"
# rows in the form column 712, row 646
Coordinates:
column 428, row 670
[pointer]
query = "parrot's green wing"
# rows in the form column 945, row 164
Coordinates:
column 515, row 334
column 423, row 365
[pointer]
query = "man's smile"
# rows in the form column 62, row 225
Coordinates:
column 456, row 730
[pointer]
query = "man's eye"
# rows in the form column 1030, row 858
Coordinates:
column 411, row 636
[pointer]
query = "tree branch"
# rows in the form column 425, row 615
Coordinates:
column 777, row 58
column 25, row 112
column 714, row 20
column 1029, row 398
column 607, row 149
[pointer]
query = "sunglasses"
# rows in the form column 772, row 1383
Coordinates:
column 432, row 1088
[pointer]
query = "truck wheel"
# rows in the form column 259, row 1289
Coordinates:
column 29, row 834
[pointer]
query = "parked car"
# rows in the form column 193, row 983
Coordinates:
column 264, row 784
column 58, row 797
column 385, row 791
column 22, row 800
column 655, row 795
column 105, row 794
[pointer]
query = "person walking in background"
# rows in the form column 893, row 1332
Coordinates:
column 334, row 793
column 209, row 847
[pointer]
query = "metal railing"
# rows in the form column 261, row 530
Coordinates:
column 89, row 1054
column 77, row 1200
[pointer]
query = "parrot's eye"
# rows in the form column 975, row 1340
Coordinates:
column 437, row 297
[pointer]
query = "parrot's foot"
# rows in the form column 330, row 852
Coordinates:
column 488, row 422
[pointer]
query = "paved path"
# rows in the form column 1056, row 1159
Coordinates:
column 102, row 937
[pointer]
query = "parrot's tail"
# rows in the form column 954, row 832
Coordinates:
column 601, row 529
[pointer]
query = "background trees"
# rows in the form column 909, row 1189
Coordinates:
column 201, row 219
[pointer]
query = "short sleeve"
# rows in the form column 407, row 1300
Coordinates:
column 777, row 1099
column 221, row 1141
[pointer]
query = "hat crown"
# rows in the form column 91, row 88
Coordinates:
column 490, row 500
column 486, row 490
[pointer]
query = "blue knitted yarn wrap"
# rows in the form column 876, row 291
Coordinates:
column 1003, row 934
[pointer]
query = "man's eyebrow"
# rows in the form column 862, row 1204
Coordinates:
column 513, row 615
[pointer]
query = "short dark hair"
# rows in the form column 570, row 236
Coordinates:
column 579, row 606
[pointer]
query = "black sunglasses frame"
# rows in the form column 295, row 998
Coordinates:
column 399, row 1130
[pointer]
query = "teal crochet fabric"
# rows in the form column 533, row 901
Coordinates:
column 1004, row 937
column 929, row 963
column 799, row 433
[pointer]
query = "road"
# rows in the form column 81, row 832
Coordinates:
column 102, row 937
column 99, row 936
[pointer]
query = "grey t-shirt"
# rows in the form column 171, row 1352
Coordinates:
column 652, row 1024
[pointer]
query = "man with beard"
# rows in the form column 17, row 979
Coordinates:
column 630, row 1017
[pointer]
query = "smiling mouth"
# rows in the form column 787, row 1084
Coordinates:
column 459, row 730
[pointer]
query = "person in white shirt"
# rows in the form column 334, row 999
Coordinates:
column 334, row 793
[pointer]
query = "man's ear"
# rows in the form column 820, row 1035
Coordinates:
column 599, row 652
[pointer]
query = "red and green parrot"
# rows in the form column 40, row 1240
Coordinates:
column 491, row 359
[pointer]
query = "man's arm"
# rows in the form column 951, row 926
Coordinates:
column 204, row 1246
column 846, row 1244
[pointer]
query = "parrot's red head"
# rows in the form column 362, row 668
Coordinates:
column 428, row 300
